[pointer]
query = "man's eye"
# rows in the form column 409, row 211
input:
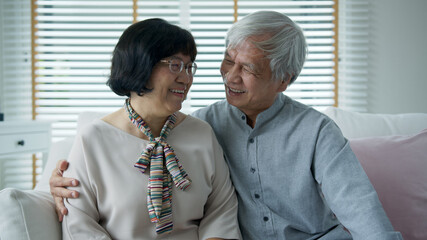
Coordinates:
column 228, row 61
column 247, row 70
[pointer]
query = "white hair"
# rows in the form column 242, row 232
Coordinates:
column 286, row 48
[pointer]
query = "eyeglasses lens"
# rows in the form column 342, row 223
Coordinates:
column 191, row 69
column 176, row 65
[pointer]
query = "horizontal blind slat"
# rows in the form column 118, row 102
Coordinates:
column 76, row 75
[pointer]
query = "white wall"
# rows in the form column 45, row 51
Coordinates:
column 1, row 58
column 398, row 60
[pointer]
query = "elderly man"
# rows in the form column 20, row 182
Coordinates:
column 294, row 172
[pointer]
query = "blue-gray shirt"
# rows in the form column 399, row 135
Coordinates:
column 295, row 175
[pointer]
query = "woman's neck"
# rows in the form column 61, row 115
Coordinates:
column 154, row 120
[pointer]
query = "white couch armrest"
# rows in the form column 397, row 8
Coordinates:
column 31, row 214
column 28, row 215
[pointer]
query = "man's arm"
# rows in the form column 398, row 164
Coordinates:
column 58, row 189
column 347, row 189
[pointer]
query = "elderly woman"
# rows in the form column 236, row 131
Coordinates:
column 148, row 171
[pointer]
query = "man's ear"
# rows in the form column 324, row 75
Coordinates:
column 284, row 83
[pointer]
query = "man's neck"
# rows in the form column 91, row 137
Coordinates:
column 251, row 116
column 250, row 122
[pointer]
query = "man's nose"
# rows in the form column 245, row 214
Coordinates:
column 233, row 74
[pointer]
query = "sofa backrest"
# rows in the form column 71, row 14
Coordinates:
column 352, row 125
column 357, row 125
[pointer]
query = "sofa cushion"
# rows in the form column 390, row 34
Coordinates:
column 58, row 150
column 28, row 215
column 87, row 117
column 357, row 125
column 397, row 168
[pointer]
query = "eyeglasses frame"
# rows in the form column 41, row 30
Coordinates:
column 169, row 62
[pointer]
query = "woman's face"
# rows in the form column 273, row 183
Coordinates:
column 169, row 89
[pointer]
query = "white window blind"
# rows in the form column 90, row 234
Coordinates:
column 209, row 22
column 354, row 49
column 15, row 76
column 16, row 59
column 75, row 40
column 315, row 85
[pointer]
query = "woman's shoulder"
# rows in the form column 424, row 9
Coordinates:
column 194, row 130
column 195, row 123
column 98, row 127
column 92, row 130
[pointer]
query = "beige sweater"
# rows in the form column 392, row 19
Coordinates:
column 112, row 202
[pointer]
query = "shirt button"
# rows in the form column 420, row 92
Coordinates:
column 253, row 170
column 265, row 219
column 243, row 117
column 251, row 140
column 257, row 195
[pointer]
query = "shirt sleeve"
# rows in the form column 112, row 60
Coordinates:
column 347, row 189
column 220, row 217
column 82, row 220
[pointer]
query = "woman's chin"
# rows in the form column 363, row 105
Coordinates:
column 175, row 108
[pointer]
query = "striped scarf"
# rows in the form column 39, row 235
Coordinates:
column 164, row 167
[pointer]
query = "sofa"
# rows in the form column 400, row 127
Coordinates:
column 392, row 149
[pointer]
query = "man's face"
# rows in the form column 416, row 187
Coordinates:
column 248, row 79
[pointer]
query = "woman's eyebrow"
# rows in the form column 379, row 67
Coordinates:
column 174, row 56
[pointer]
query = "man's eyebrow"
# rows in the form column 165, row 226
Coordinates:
column 251, row 66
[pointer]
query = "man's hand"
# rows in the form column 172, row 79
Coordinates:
column 58, row 188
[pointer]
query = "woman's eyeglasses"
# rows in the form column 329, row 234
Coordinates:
column 177, row 65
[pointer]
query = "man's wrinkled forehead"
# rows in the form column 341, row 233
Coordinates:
column 248, row 49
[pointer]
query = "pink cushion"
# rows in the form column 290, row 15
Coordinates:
column 397, row 168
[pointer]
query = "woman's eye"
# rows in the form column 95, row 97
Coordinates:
column 175, row 66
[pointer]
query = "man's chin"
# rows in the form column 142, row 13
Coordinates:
column 232, row 101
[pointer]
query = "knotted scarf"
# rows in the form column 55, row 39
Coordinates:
column 164, row 169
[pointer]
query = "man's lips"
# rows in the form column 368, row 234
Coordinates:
column 233, row 90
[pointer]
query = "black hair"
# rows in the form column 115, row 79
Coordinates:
column 141, row 46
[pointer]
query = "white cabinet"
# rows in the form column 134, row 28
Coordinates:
column 19, row 137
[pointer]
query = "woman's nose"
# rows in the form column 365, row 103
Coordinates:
column 183, row 77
